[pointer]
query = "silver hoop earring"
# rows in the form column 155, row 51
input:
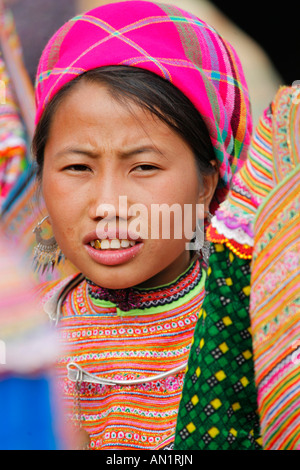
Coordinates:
column 47, row 253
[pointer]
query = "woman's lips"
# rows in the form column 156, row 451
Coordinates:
column 114, row 257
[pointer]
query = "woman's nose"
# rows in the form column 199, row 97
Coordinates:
column 109, row 198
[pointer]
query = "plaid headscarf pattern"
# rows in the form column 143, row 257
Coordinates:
column 171, row 43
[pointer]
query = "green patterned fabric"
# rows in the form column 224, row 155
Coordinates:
column 218, row 408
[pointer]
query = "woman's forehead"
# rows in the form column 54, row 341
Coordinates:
column 89, row 120
column 91, row 105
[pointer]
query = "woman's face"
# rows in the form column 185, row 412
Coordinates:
column 101, row 155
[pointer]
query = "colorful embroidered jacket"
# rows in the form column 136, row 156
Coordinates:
column 112, row 343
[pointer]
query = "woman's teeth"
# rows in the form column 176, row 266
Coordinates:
column 115, row 244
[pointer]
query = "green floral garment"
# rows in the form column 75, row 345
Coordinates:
column 218, row 408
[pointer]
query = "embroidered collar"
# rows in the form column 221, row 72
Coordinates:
column 138, row 298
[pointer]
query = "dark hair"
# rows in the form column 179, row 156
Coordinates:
column 150, row 92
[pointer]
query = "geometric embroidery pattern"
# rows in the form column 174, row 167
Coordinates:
column 218, row 408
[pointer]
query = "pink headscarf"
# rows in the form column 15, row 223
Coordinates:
column 173, row 44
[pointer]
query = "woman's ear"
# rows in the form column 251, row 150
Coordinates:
column 208, row 187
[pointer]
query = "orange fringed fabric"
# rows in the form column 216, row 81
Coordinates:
column 242, row 251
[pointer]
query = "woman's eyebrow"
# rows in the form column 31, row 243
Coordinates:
column 77, row 151
column 138, row 150
column 131, row 152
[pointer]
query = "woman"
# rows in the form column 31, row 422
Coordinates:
column 149, row 108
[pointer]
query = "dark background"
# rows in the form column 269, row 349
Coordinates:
column 275, row 26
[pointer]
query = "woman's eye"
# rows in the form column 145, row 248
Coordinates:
column 78, row 167
column 145, row 167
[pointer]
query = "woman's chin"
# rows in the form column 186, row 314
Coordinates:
column 113, row 280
